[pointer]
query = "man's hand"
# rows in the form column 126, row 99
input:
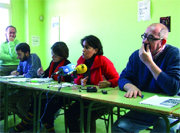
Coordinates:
column 40, row 71
column 132, row 91
column 14, row 73
column 146, row 58
column 145, row 55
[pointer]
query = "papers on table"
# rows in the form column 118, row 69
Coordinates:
column 62, row 85
column 35, row 81
column 161, row 101
column 40, row 80
column 17, row 79
column 12, row 76
column 32, row 80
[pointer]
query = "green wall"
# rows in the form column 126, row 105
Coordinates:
column 114, row 22
column 17, row 11
column 25, row 16
column 35, row 26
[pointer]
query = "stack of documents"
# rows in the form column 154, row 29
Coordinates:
column 161, row 101
column 62, row 85
column 17, row 79
column 12, row 76
column 40, row 80
column 20, row 78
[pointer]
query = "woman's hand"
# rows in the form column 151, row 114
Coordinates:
column 84, row 81
column 104, row 84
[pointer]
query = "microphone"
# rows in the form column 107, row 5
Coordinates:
column 64, row 70
column 70, row 69
column 80, row 69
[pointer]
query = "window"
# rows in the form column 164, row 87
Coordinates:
column 5, row 1
column 5, row 18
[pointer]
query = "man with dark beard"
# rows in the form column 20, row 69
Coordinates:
column 18, row 100
column 29, row 63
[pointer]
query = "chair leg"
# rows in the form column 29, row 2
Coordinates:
column 109, row 120
column 106, row 121
column 14, row 115
column 65, row 121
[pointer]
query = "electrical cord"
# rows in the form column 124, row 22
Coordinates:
column 48, row 100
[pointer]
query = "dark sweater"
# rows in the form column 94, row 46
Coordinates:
column 168, row 81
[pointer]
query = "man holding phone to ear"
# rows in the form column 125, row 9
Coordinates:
column 155, row 67
column 8, row 56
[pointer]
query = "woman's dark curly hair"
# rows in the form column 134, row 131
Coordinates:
column 60, row 49
column 94, row 42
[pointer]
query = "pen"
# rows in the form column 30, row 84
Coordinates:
column 142, row 96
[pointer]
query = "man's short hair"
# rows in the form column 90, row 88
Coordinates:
column 163, row 34
column 24, row 47
column 10, row 26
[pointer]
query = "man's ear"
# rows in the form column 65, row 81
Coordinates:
column 6, row 37
column 163, row 42
column 27, row 53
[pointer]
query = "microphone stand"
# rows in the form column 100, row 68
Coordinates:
column 59, row 78
column 61, row 73
column 74, row 75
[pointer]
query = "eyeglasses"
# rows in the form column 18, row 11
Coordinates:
column 12, row 32
column 150, row 38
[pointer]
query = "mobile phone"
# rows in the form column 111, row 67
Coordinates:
column 91, row 89
column 145, row 46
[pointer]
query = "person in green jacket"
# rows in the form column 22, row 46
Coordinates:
column 8, row 56
column 8, row 60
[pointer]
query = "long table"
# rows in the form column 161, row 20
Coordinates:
column 38, row 89
column 176, row 112
column 113, row 98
